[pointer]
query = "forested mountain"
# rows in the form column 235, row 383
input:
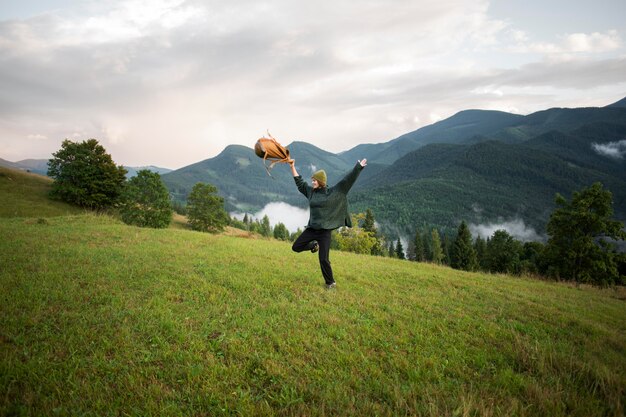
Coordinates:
column 460, row 128
column 479, row 166
column 442, row 184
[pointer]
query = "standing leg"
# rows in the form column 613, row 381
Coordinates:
column 324, row 242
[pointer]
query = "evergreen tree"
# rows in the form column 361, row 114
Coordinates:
column 399, row 250
column 146, row 201
column 85, row 175
column 463, row 254
column 578, row 248
column 369, row 222
column 437, row 250
column 446, row 246
column 427, row 244
column 206, row 209
column 391, row 250
column 480, row 247
column 418, row 247
column 266, row 228
column 245, row 218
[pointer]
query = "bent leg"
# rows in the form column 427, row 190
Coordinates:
column 304, row 241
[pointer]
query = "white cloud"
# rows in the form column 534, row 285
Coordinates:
column 574, row 43
column 516, row 228
column 144, row 76
column 615, row 150
column 36, row 136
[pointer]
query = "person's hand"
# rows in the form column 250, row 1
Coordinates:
column 363, row 162
column 291, row 161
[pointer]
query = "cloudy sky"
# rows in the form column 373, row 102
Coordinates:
column 172, row 82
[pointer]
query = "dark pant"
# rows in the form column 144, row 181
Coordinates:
column 305, row 242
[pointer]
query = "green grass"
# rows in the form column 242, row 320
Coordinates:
column 26, row 195
column 100, row 318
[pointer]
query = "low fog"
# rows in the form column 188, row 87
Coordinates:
column 516, row 228
column 292, row 217
column 615, row 150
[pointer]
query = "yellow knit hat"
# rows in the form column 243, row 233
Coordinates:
column 320, row 176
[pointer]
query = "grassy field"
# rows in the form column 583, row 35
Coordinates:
column 99, row 318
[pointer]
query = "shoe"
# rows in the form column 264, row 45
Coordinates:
column 316, row 247
column 331, row 286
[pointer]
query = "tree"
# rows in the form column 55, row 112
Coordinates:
column 427, row 244
column 355, row 239
column 399, row 250
column 437, row 251
column 446, row 246
column 418, row 247
column 503, row 253
column 369, row 224
column 146, row 201
column 206, row 209
column 266, row 228
column 463, row 255
column 578, row 248
column 85, row 175
column 480, row 246
column 391, row 250
column 281, row 232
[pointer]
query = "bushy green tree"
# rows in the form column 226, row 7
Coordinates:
column 462, row 254
column 85, row 174
column 281, row 232
column 355, row 239
column 266, row 228
column 531, row 258
column 503, row 253
column 205, row 209
column 146, row 201
column 577, row 249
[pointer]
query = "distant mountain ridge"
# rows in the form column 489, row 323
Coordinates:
column 40, row 166
column 477, row 165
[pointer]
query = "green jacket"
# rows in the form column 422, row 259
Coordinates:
column 329, row 206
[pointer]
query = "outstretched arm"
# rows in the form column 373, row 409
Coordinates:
column 346, row 183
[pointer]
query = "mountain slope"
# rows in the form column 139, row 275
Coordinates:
column 442, row 184
column 456, row 129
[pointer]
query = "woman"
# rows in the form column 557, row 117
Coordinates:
column 328, row 211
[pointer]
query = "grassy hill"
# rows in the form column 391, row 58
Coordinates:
column 100, row 318
column 23, row 194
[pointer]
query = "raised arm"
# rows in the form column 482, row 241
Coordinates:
column 292, row 164
column 302, row 185
column 348, row 181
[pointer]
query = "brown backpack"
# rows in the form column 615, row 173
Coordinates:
column 269, row 148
